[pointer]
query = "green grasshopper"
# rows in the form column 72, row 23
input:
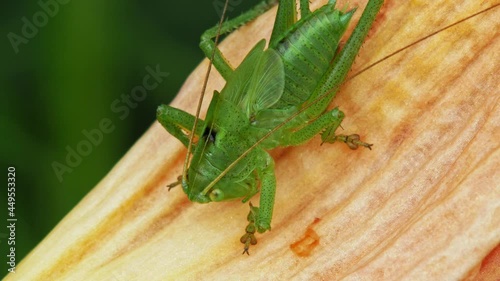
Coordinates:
column 276, row 97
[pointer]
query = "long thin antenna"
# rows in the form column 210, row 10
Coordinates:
column 419, row 40
column 200, row 101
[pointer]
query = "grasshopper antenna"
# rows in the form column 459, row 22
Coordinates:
column 200, row 101
column 418, row 41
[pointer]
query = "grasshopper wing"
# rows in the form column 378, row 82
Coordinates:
column 258, row 82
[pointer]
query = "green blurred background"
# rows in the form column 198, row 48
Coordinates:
column 64, row 79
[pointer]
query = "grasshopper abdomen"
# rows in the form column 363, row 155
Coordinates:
column 307, row 52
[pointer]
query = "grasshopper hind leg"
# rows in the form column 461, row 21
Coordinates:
column 209, row 47
column 326, row 125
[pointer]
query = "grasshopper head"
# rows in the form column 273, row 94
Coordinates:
column 202, row 188
column 203, row 183
column 194, row 194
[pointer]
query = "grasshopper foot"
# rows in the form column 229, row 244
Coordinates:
column 352, row 141
column 174, row 184
column 249, row 237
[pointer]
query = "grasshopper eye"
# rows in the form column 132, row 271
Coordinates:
column 216, row 195
column 210, row 134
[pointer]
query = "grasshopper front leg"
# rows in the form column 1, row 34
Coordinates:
column 259, row 218
column 175, row 121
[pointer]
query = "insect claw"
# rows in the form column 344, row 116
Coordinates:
column 245, row 250
column 352, row 141
column 174, row 184
column 249, row 237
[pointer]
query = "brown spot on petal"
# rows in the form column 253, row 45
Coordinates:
column 305, row 245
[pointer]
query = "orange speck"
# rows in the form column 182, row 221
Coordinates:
column 305, row 245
